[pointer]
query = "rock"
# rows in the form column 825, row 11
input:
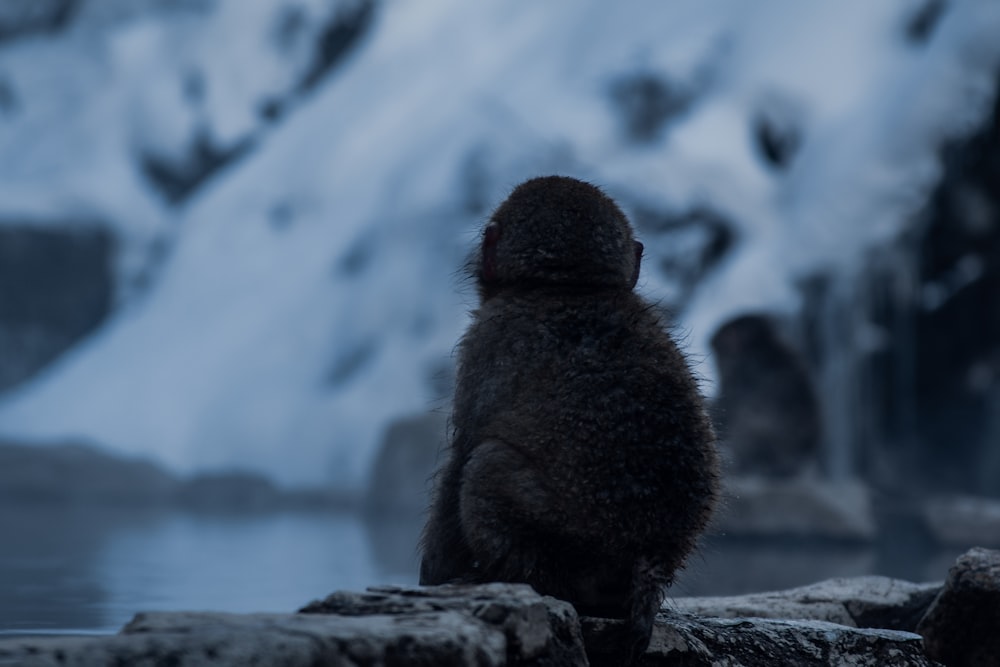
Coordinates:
column 57, row 285
column 757, row 642
column 87, row 477
column 491, row 624
column 535, row 630
column 962, row 626
column 405, row 462
column 798, row 507
column 964, row 521
column 228, row 491
column 79, row 475
column 197, row 639
column 19, row 19
column 774, row 565
column 860, row 602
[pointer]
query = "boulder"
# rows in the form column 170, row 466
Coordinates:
column 404, row 465
column 530, row 629
column 859, row 602
column 57, row 285
column 200, row 639
column 680, row 639
column 798, row 507
column 962, row 626
column 491, row 624
column 964, row 520
column 80, row 475
column 20, row 19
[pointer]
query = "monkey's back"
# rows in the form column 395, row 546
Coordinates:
column 588, row 387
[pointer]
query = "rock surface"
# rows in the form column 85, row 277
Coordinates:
column 84, row 476
column 492, row 624
column 406, row 461
column 56, row 286
column 962, row 627
column 964, row 520
column 859, row 602
column 798, row 507
column 757, row 642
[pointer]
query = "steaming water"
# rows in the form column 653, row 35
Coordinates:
column 91, row 571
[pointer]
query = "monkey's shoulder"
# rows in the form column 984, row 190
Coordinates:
column 611, row 332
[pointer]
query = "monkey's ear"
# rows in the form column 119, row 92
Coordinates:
column 489, row 264
column 638, row 263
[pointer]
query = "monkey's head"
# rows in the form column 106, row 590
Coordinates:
column 557, row 231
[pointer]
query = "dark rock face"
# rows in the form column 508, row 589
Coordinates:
column 962, row 626
column 337, row 40
column 19, row 18
column 930, row 389
column 957, row 338
column 647, row 102
column 687, row 244
column 178, row 178
column 56, row 285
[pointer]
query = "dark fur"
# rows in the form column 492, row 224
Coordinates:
column 582, row 461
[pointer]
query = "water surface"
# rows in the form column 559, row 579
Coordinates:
column 77, row 571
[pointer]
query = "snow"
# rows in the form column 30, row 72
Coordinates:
column 312, row 293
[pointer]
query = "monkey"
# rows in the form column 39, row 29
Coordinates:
column 767, row 413
column 581, row 458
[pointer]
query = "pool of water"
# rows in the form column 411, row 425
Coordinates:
column 66, row 571
column 86, row 571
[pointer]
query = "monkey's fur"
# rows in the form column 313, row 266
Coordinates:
column 581, row 460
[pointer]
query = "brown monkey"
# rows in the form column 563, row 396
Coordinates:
column 581, row 460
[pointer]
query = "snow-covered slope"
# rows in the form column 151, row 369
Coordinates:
column 312, row 294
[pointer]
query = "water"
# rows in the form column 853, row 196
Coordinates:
column 76, row 571
column 91, row 571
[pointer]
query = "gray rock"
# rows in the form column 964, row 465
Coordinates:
column 799, row 507
column 26, row 17
column 860, row 602
column 196, row 639
column 962, row 626
column 57, row 285
column 79, row 475
column 492, row 624
column 758, row 642
column 405, row 462
column 537, row 630
column 964, row 521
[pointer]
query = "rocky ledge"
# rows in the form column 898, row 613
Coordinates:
column 863, row 621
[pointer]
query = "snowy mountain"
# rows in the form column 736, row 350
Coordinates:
column 309, row 292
